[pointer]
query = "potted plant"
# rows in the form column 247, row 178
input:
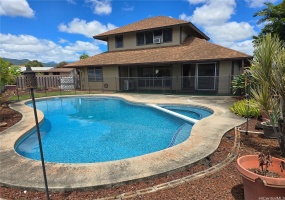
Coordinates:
column 268, row 70
column 263, row 176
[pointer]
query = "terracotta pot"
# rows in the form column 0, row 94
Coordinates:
column 269, row 131
column 256, row 186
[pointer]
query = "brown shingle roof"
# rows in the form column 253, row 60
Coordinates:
column 192, row 50
column 149, row 23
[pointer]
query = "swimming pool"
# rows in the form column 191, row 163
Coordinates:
column 88, row 130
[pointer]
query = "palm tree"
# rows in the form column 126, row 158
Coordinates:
column 274, row 18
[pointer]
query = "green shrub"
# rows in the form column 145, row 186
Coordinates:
column 242, row 108
column 238, row 84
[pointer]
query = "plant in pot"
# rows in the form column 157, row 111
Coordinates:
column 268, row 71
column 269, row 106
column 263, row 176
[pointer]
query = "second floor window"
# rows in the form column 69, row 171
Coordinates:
column 148, row 37
column 140, row 39
column 119, row 41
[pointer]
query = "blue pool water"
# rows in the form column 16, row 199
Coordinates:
column 92, row 129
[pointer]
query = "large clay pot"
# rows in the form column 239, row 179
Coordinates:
column 256, row 186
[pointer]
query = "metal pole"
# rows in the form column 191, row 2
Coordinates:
column 40, row 143
column 247, row 98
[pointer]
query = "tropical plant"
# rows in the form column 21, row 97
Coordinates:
column 246, row 108
column 268, row 69
column 238, row 84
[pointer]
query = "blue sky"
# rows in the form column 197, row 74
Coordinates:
column 62, row 30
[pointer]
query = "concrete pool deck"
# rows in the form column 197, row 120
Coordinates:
column 20, row 172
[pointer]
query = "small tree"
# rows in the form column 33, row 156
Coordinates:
column 34, row 63
column 61, row 64
column 8, row 73
column 83, row 56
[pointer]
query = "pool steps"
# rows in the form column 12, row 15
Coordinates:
column 181, row 135
column 188, row 119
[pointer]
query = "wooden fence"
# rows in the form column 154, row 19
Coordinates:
column 48, row 81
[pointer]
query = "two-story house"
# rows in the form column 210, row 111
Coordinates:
column 161, row 53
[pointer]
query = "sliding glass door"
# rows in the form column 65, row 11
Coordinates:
column 206, row 74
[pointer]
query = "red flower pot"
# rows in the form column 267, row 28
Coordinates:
column 257, row 187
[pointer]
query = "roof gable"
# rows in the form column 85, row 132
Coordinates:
column 148, row 24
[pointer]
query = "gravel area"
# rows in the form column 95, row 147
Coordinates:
column 224, row 184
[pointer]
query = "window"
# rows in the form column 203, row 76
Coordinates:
column 140, row 38
column 95, row 74
column 119, row 41
column 167, row 35
column 55, row 73
column 148, row 37
column 157, row 33
column 147, row 72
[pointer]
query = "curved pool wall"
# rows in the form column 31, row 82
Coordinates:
column 92, row 129
column 20, row 172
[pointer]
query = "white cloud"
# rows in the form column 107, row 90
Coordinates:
column 258, row 3
column 16, row 8
column 213, row 12
column 88, row 29
column 71, row 1
column 232, row 31
column 245, row 46
column 213, row 17
column 194, row 2
column 32, row 48
column 101, row 7
column 183, row 16
column 128, row 8
column 62, row 41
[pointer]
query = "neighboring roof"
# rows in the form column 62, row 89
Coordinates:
column 60, row 70
column 36, row 69
column 191, row 50
column 47, row 69
column 149, row 23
